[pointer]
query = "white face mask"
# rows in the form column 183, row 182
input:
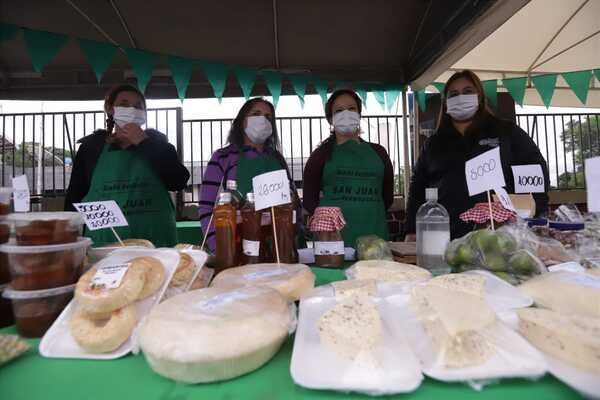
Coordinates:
column 129, row 115
column 258, row 129
column 346, row 122
column 463, row 106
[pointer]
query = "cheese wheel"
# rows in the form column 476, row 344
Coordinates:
column 133, row 242
column 565, row 292
column 185, row 270
column 154, row 275
column 291, row 280
column 103, row 335
column 388, row 271
column 573, row 339
column 213, row 334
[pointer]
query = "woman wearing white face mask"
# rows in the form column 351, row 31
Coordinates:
column 352, row 174
column 467, row 128
column 135, row 167
column 253, row 150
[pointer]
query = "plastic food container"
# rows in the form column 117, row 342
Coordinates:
column 44, row 267
column 46, row 228
column 4, row 230
column 6, row 312
column 36, row 310
column 5, row 193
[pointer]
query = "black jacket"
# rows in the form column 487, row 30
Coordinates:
column 442, row 165
column 159, row 153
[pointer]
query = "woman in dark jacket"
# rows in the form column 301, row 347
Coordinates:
column 135, row 167
column 466, row 129
column 350, row 173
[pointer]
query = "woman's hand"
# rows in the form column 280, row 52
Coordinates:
column 410, row 237
column 130, row 134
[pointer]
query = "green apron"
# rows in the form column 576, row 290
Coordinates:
column 125, row 177
column 353, row 181
column 248, row 168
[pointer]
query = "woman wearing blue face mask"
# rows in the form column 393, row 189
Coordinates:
column 253, row 150
column 352, row 174
column 136, row 167
column 467, row 128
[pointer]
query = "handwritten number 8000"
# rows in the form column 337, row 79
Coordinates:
column 483, row 169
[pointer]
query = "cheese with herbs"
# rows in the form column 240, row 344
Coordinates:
column 345, row 289
column 388, row 271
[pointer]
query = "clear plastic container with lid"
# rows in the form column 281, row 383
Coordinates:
column 433, row 234
column 326, row 225
column 5, row 193
column 36, row 310
column 46, row 228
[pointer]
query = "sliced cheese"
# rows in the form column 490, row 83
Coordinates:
column 213, row 334
column 345, row 289
column 352, row 327
column 566, row 292
column 468, row 283
column 388, row 271
column 573, row 339
column 291, row 280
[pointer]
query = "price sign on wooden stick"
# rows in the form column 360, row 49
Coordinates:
column 102, row 214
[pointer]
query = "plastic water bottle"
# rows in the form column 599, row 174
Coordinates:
column 433, row 234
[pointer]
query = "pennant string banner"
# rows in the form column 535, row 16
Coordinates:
column 181, row 69
column 98, row 54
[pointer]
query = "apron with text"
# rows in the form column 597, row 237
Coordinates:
column 248, row 168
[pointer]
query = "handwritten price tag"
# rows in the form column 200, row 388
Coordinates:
column 592, row 182
column 528, row 178
column 21, row 193
column 101, row 214
column 271, row 189
column 484, row 172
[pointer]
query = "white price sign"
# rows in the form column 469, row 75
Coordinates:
column 592, row 182
column 529, row 178
column 484, row 172
column 21, row 193
column 504, row 199
column 271, row 189
column 101, row 214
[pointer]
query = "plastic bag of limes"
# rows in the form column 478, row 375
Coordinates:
column 499, row 252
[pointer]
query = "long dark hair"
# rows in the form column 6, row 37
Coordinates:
column 236, row 133
column 484, row 111
column 327, row 144
column 111, row 96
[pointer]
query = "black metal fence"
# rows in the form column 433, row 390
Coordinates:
column 43, row 145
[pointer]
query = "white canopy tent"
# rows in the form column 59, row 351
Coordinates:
column 545, row 36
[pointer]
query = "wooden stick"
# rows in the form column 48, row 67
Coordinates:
column 275, row 234
column 490, row 206
column 117, row 236
column 207, row 230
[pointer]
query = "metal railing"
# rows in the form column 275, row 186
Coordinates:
column 565, row 141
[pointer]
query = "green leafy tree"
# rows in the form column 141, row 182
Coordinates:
column 581, row 141
column 26, row 157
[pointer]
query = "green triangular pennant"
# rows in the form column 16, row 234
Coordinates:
column 516, row 88
column 380, row 97
column 321, row 89
column 273, row 80
column 579, row 82
column 338, row 85
column 216, row 74
column 597, row 73
column 421, row 98
column 299, row 84
column 98, row 54
column 8, row 31
column 391, row 96
column 490, row 89
column 181, row 70
column 439, row 86
column 142, row 62
column 43, row 46
column 545, row 85
column 246, row 78
column 361, row 90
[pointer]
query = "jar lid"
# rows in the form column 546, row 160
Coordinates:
column 327, row 219
column 10, row 293
column 71, row 216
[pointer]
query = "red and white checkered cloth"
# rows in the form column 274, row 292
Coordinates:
column 481, row 213
column 327, row 219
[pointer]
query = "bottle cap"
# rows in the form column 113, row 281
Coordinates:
column 224, row 198
column 231, row 184
column 250, row 197
column 431, row 194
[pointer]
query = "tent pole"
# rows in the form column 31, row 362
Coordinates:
column 407, row 173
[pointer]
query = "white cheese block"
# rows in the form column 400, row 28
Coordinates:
column 345, row 289
column 291, row 280
column 213, row 334
column 352, row 328
column 574, row 339
column 468, row 283
column 388, row 271
column 565, row 292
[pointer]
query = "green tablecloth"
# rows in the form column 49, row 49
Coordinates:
column 33, row 377
column 189, row 232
